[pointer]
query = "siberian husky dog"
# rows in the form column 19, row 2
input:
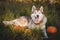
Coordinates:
column 38, row 20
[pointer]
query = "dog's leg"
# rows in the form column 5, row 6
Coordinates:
column 44, row 32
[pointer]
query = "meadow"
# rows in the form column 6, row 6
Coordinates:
column 12, row 10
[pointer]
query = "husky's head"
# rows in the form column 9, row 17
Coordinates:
column 37, row 15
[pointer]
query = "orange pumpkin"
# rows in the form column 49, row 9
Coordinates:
column 51, row 29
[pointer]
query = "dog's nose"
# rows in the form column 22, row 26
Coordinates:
column 37, row 15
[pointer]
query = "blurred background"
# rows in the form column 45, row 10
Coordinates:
column 12, row 9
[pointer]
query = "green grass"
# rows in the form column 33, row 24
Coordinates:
column 15, row 10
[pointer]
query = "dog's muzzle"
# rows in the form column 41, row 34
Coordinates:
column 37, row 21
column 37, row 16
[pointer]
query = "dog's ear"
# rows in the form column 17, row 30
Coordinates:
column 33, row 8
column 41, row 8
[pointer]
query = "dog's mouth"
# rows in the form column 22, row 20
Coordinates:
column 37, row 21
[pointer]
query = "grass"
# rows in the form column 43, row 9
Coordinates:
column 15, row 10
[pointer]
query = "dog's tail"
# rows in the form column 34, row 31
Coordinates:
column 8, row 22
